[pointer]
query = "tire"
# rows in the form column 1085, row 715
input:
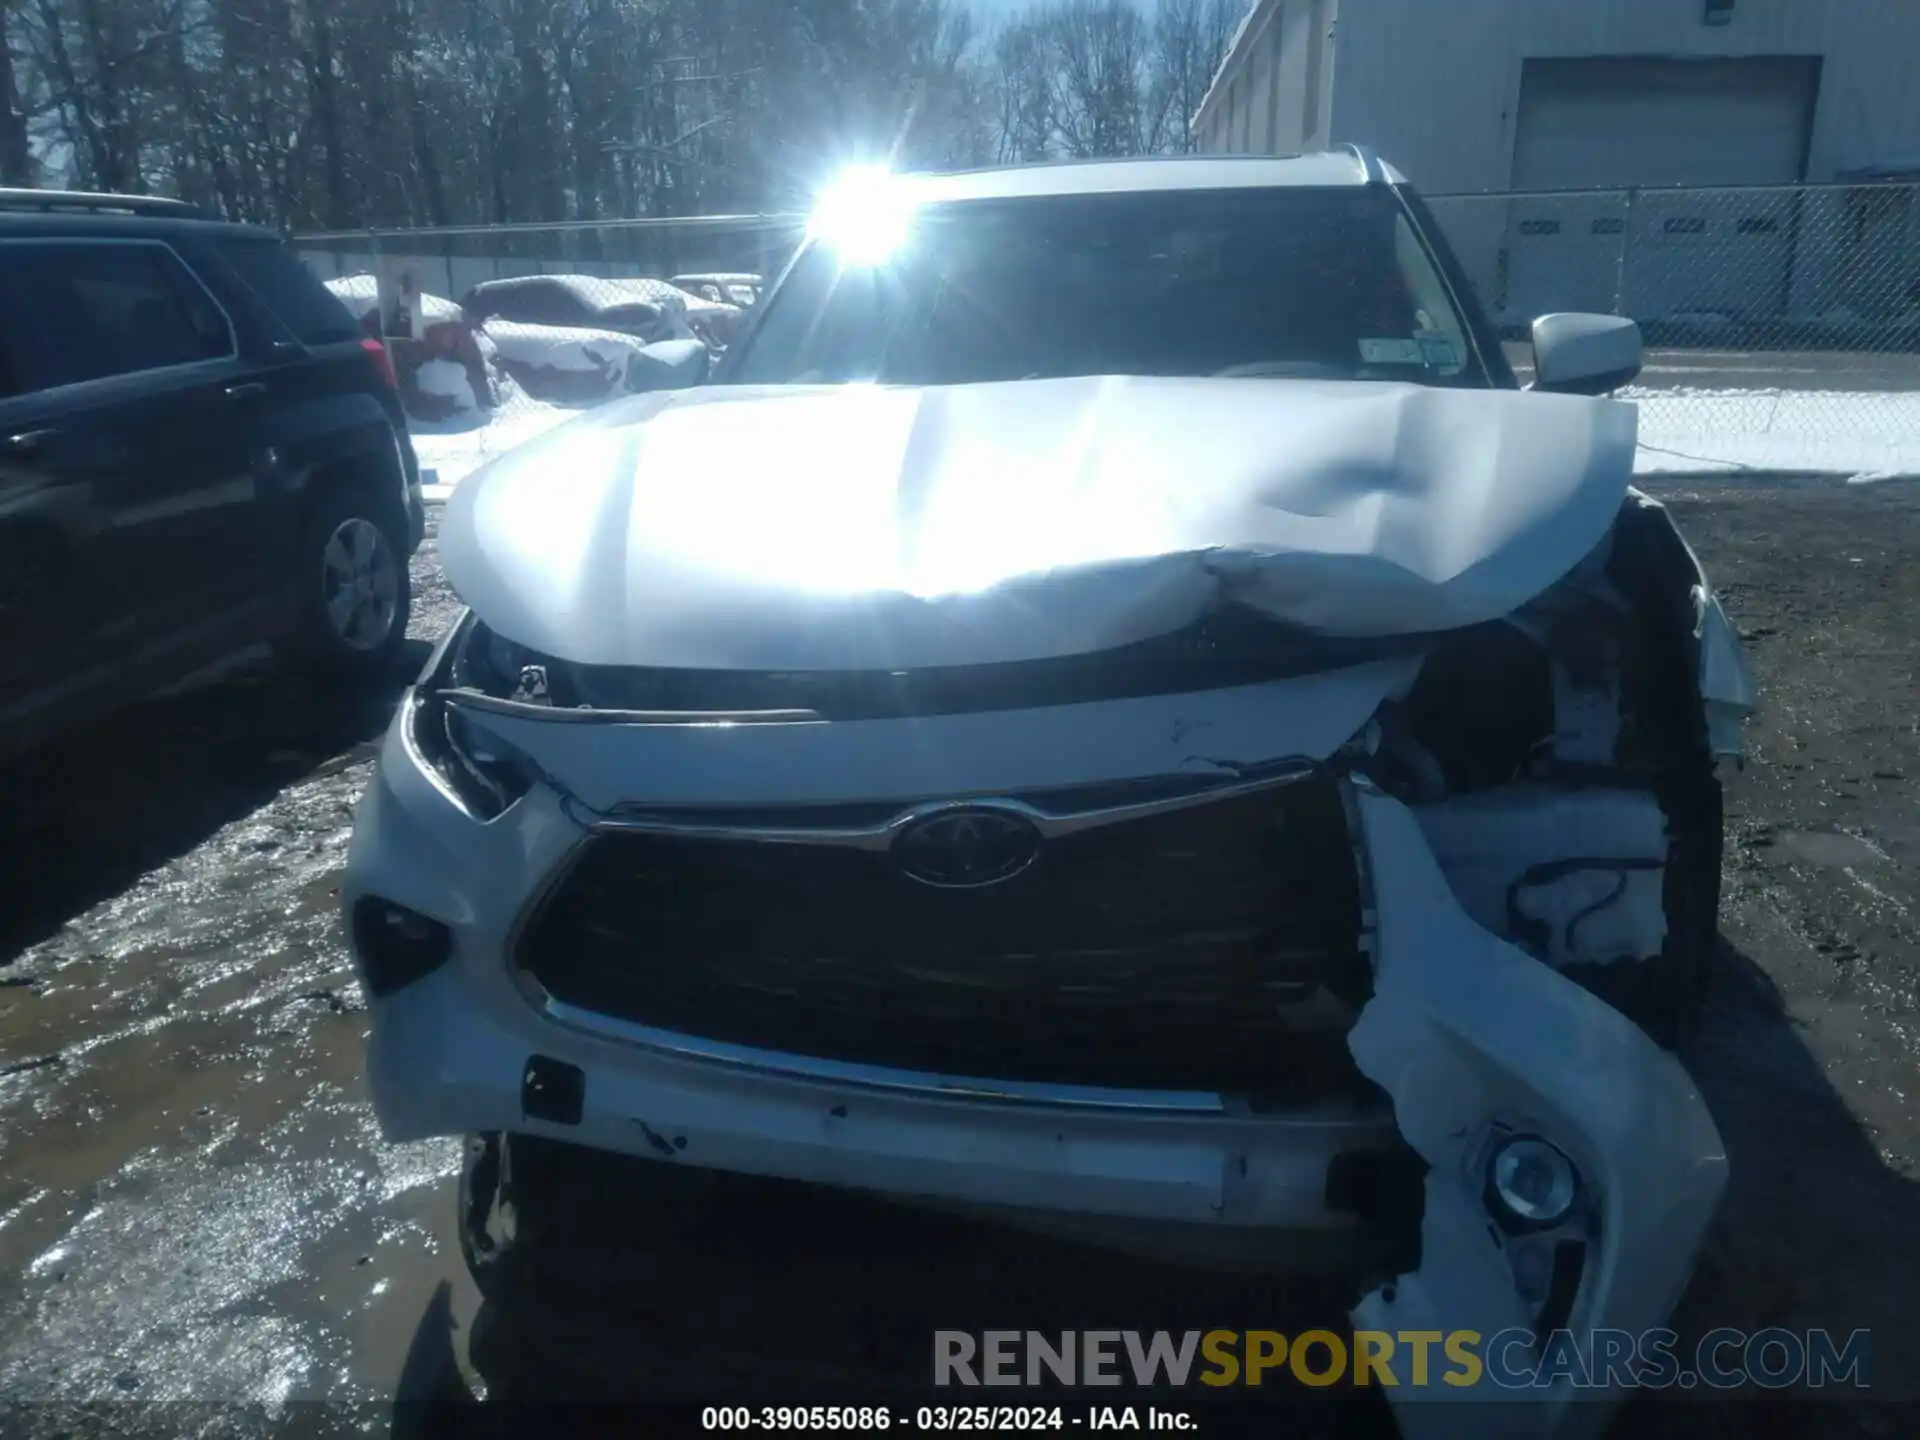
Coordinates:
column 355, row 595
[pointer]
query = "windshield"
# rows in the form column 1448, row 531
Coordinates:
column 1300, row 282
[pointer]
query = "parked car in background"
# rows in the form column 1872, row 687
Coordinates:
column 740, row 288
column 714, row 322
column 575, row 365
column 646, row 309
column 586, row 302
column 1227, row 775
column 199, row 451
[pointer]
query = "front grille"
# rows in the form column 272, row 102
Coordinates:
column 1212, row 947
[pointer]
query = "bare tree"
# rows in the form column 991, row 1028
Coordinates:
column 16, row 163
column 347, row 113
column 1100, row 57
column 1190, row 39
column 1023, row 88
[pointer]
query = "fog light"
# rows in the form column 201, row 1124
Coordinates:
column 1532, row 1181
column 396, row 946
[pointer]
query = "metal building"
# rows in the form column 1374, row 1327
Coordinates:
column 1541, row 96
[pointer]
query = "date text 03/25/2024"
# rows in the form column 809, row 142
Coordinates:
column 990, row 1419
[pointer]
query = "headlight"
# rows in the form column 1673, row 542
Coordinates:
column 482, row 775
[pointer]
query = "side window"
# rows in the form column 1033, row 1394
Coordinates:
column 92, row 311
column 290, row 290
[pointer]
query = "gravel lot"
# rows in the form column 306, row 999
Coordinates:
column 195, row 1204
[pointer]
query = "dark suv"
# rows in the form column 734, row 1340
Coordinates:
column 199, row 452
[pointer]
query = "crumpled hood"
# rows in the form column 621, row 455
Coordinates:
column 874, row 528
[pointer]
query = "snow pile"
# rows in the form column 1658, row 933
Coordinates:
column 1867, row 435
column 361, row 293
column 448, row 380
column 563, row 347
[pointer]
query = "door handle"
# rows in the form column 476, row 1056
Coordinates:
column 247, row 390
column 25, row 442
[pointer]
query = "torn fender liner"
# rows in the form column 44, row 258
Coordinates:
column 1467, row 1033
column 877, row 528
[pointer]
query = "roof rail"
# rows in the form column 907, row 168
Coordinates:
column 1371, row 170
column 92, row 202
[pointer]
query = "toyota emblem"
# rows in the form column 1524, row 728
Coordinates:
column 963, row 849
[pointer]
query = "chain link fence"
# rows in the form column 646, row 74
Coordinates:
column 1782, row 324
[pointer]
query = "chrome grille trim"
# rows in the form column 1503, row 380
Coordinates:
column 1050, row 823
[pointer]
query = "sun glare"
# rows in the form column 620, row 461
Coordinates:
column 865, row 213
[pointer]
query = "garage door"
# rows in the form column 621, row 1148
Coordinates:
column 1619, row 123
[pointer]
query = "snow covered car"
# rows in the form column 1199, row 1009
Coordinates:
column 566, row 365
column 740, row 288
column 648, row 310
column 1229, row 776
column 588, row 302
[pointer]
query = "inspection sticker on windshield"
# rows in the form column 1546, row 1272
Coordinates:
column 1391, row 352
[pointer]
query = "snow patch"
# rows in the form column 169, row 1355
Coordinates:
column 447, row 380
column 1871, row 435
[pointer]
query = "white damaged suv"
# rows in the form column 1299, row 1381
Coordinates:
column 1115, row 711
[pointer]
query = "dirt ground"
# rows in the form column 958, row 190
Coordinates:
column 195, row 1205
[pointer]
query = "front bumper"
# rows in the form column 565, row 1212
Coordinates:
column 1466, row 1034
column 448, row 1054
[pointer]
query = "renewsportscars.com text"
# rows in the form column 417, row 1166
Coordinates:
column 1508, row 1359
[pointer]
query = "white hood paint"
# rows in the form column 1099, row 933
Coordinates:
column 867, row 527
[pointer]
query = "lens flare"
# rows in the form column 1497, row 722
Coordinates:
column 865, row 214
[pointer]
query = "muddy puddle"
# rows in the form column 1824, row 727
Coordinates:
column 194, row 1201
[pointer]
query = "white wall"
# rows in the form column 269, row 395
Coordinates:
column 1434, row 85
column 1272, row 98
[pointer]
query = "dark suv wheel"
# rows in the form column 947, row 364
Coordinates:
column 355, row 592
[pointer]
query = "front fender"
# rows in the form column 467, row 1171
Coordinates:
column 1472, row 1037
column 1727, row 692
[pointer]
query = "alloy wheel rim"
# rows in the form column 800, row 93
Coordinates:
column 360, row 584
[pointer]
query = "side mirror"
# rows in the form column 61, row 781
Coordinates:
column 668, row 365
column 1585, row 354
